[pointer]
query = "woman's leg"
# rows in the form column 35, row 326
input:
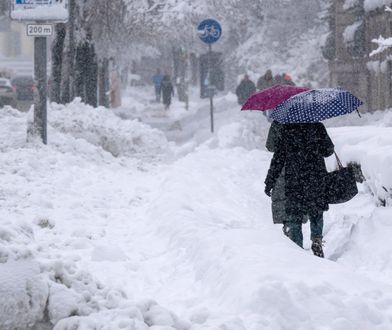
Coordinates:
column 316, row 232
column 316, row 224
column 293, row 228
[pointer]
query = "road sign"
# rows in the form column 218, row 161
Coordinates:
column 209, row 31
column 39, row 30
column 40, row 10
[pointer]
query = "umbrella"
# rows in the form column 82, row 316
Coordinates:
column 269, row 98
column 316, row 105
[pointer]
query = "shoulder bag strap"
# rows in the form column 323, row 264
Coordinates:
column 340, row 165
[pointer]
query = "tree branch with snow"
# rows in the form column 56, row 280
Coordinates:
column 383, row 43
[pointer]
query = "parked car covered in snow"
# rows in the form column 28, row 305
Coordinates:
column 25, row 87
column 7, row 93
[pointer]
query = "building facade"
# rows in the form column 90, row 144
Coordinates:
column 353, row 26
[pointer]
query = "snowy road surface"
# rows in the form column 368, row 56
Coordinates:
column 89, row 240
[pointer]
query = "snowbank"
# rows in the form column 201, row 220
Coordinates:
column 101, row 127
column 43, row 285
column 372, row 148
column 46, row 292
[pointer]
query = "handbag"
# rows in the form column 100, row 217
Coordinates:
column 340, row 185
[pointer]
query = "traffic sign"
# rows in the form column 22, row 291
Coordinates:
column 39, row 30
column 40, row 10
column 209, row 31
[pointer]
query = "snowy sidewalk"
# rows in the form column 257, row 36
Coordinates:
column 110, row 216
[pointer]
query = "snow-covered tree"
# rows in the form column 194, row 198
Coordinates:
column 382, row 42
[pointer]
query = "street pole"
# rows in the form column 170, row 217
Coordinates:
column 210, row 89
column 40, row 74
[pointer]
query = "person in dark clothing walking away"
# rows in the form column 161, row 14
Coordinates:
column 167, row 91
column 266, row 81
column 245, row 89
column 301, row 152
column 278, row 196
column 157, row 80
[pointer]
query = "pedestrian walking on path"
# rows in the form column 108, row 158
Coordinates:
column 266, row 81
column 167, row 91
column 157, row 80
column 245, row 89
column 300, row 152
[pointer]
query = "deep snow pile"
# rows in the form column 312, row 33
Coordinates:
column 41, row 282
column 101, row 127
column 89, row 240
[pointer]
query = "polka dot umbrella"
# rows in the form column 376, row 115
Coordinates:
column 316, row 105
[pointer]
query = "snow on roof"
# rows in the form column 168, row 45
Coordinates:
column 370, row 5
column 349, row 32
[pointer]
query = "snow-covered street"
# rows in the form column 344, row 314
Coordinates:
column 111, row 226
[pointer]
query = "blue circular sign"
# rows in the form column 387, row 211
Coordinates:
column 209, row 31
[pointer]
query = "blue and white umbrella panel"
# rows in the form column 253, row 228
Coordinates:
column 316, row 105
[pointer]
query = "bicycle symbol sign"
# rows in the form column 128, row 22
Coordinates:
column 209, row 31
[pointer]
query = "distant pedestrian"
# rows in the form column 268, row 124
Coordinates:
column 287, row 79
column 266, row 81
column 245, row 89
column 167, row 90
column 157, row 80
column 300, row 152
column 278, row 79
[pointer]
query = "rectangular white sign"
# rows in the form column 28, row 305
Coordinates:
column 39, row 30
column 40, row 10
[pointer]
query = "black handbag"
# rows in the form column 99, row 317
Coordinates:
column 340, row 185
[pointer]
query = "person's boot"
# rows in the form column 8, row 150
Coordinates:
column 317, row 247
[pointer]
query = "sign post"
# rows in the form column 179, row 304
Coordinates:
column 40, row 75
column 209, row 32
column 42, row 13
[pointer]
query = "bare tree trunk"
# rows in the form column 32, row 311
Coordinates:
column 68, row 90
column 80, row 70
column 57, row 60
column 91, row 77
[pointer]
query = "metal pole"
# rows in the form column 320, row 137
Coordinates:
column 211, row 91
column 40, row 73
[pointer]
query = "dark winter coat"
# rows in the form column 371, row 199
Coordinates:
column 278, row 197
column 266, row 81
column 301, row 151
column 245, row 89
column 167, row 91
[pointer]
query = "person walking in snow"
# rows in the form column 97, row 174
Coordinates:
column 300, row 152
column 266, row 81
column 167, row 91
column 278, row 196
column 157, row 80
column 287, row 79
column 245, row 89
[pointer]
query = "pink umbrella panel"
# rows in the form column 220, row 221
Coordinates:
column 271, row 97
